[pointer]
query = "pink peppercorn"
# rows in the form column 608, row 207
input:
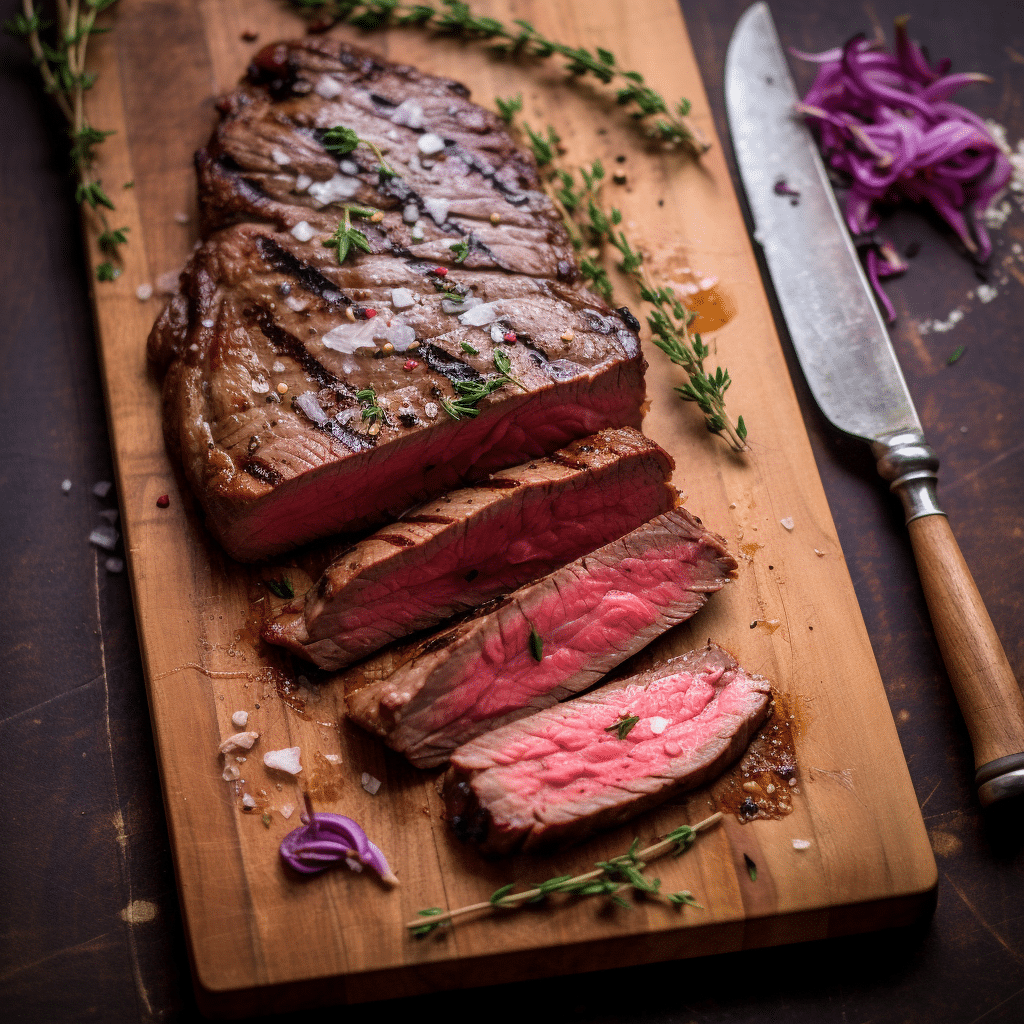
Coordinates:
column 370, row 313
column 440, row 271
column 410, row 364
column 163, row 501
column 511, row 336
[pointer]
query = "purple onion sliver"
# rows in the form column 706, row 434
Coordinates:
column 872, row 268
column 330, row 839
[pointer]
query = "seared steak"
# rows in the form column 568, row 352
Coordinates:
column 306, row 397
column 573, row 769
column 546, row 641
column 476, row 544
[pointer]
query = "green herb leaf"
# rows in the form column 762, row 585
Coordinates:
column 341, row 140
column 427, row 928
column 107, row 272
column 956, row 354
column 110, row 239
column 499, row 894
column 461, row 250
column 536, row 644
column 466, row 347
column 281, row 588
column 683, row 898
column 507, row 109
column 623, row 726
column 751, row 867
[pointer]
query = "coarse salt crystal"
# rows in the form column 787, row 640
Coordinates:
column 308, row 404
column 248, row 801
column 230, row 773
column 302, row 182
column 238, row 741
column 207, row 322
column 102, row 488
column 240, row 719
column 417, row 231
column 114, row 565
column 65, row 486
column 410, row 213
column 986, row 292
column 302, row 231
column 181, row 218
column 104, row 537
column 370, row 784
column 260, row 385
column 284, row 760
column 408, row 113
column 339, row 187
column 349, row 167
column 437, row 208
column 144, row 292
column 788, row 522
column 278, row 366
column 287, row 810
column 333, row 758
column 327, row 87
column 481, row 315
column 801, row 844
column 430, row 410
column 280, row 157
column 402, row 298
column 429, row 143
column 659, row 725
column 820, row 554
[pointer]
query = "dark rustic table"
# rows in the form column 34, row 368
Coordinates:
column 89, row 924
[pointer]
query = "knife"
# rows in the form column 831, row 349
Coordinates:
column 851, row 368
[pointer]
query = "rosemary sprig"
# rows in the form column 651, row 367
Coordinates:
column 593, row 228
column 62, row 69
column 346, row 236
column 470, row 392
column 455, row 18
column 609, row 878
column 341, row 141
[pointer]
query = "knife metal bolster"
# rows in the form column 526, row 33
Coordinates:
column 1000, row 779
column 911, row 466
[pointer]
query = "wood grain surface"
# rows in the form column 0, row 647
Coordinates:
column 91, row 929
column 869, row 862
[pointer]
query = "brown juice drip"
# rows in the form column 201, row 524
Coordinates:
column 764, row 782
column 713, row 309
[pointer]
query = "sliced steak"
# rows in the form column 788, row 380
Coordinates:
column 476, row 544
column 426, row 698
column 306, row 397
column 564, row 773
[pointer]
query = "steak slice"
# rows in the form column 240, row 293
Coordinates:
column 306, row 397
column 546, row 641
column 476, row 544
column 564, row 773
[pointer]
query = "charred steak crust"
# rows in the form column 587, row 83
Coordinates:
column 564, row 773
column 270, row 340
column 426, row 697
column 475, row 544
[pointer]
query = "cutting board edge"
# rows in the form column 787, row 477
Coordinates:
column 901, row 911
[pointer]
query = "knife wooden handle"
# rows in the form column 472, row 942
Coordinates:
column 986, row 690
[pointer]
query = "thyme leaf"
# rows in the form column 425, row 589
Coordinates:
column 58, row 51
column 341, row 141
column 346, row 236
column 609, row 878
column 461, row 250
column 751, row 867
column 281, row 588
column 623, row 726
column 469, row 393
column 372, row 410
column 536, row 644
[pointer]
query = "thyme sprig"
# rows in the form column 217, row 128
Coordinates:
column 341, row 141
column 593, row 230
column 609, row 878
column 623, row 726
column 469, row 393
column 521, row 39
column 345, row 236
column 372, row 410
column 61, row 63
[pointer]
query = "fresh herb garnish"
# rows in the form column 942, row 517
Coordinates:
column 520, row 39
column 592, row 228
column 609, row 878
column 623, row 726
column 956, row 354
column 281, row 588
column 507, row 109
column 470, row 392
column 751, row 867
column 346, row 236
column 461, row 250
column 61, row 63
column 372, row 411
column 341, row 141
column 536, row 644
column 467, row 348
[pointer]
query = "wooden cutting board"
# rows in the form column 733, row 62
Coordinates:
column 261, row 940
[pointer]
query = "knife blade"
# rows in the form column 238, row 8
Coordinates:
column 851, row 368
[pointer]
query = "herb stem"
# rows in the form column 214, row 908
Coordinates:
column 512, row 900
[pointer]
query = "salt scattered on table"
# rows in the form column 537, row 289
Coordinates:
column 788, row 522
column 370, row 784
column 284, row 760
column 101, row 488
column 104, row 537
column 240, row 719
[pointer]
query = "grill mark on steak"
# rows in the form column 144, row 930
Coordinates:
column 285, row 343
column 450, row 366
column 500, row 484
column 258, row 469
column 437, row 520
column 351, row 439
column 280, row 259
column 397, row 540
